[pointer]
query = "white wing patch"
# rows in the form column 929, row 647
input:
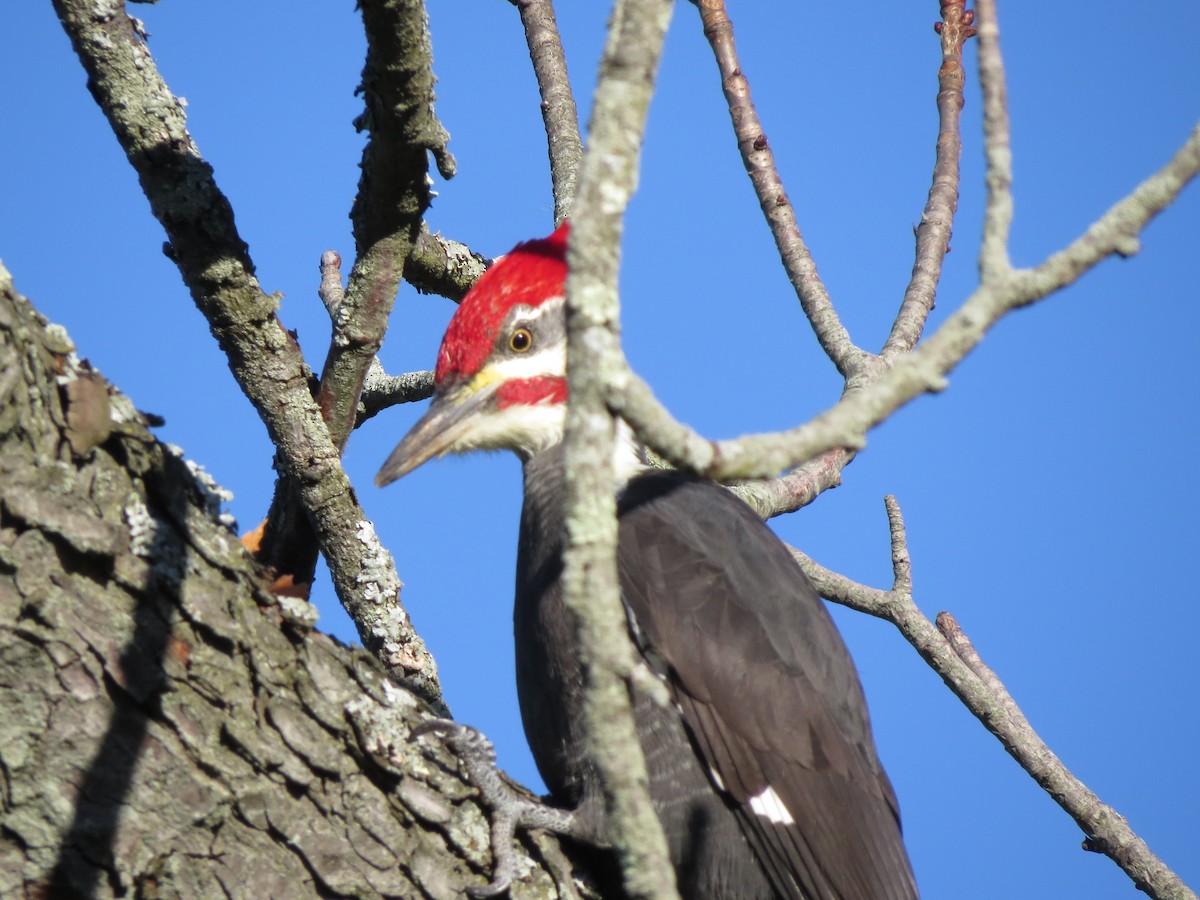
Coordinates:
column 769, row 805
column 653, row 658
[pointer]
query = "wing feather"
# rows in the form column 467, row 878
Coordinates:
column 766, row 686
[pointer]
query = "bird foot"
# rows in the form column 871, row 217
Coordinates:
column 508, row 808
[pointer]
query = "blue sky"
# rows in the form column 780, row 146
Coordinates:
column 1051, row 493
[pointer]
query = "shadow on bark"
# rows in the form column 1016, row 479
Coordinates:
column 88, row 851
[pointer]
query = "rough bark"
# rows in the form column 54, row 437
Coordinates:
column 168, row 728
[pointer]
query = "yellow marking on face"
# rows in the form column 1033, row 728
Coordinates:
column 484, row 378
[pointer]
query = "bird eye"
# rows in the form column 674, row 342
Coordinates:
column 520, row 340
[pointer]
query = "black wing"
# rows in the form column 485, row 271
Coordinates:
column 766, row 687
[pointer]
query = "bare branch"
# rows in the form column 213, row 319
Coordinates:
column 924, row 370
column 951, row 655
column 330, row 289
column 993, row 250
column 150, row 125
column 631, row 398
column 901, row 562
column 382, row 391
column 558, row 103
column 444, row 267
column 937, row 219
column 607, row 179
column 798, row 488
column 1107, row 830
column 780, row 215
column 948, row 626
column 393, row 194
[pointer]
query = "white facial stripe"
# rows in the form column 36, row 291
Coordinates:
column 550, row 343
column 552, row 306
column 768, row 805
column 551, row 361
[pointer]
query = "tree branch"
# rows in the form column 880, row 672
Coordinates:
column 393, row 194
column 150, row 125
column 607, row 179
column 444, row 267
column 993, row 249
column 924, row 370
column 380, row 391
column 949, row 653
column 768, row 186
column 774, row 496
column 937, row 219
column 800, row 487
column 383, row 391
column 558, row 103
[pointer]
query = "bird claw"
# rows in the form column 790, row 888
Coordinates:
column 494, row 888
column 446, row 728
column 469, row 743
column 506, row 808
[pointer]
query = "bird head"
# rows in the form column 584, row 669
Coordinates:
column 500, row 381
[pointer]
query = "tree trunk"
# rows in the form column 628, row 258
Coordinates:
column 168, row 728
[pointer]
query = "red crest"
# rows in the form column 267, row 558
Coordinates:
column 532, row 273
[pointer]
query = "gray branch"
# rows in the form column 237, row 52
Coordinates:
column 845, row 425
column 150, row 125
column 772, row 198
column 380, row 391
column 993, row 251
column 606, row 181
column 558, row 103
column 383, row 391
column 937, row 219
column 393, row 194
column 948, row 652
column 438, row 265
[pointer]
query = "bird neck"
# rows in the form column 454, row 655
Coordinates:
column 545, row 471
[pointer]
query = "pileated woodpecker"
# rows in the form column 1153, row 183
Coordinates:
column 763, row 770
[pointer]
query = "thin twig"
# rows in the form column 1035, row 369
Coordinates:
column 993, row 249
column 393, row 194
column 287, row 544
column 937, row 219
column 952, row 656
column 797, row 488
column 444, row 267
column 151, row 126
column 924, row 370
column 330, row 290
column 775, row 496
column 965, row 650
column 606, row 181
column 558, row 103
column 768, row 186
column 382, row 391
column 901, row 562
